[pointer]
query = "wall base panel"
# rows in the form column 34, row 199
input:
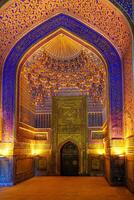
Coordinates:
column 6, row 171
column 130, row 173
column 24, row 168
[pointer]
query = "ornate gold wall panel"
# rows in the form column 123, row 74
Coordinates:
column 69, row 116
column 69, row 123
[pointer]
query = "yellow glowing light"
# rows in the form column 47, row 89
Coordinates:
column 36, row 151
column 38, row 148
column 97, row 151
column 33, row 149
column 117, row 147
column 100, row 151
column 31, row 131
column 6, row 149
column 118, row 151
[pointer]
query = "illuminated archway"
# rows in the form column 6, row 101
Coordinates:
column 87, row 34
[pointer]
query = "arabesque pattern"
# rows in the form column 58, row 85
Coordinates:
column 46, row 75
column 82, row 31
column 19, row 17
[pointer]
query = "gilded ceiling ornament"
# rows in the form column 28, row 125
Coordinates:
column 46, row 75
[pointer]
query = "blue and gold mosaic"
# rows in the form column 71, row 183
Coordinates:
column 82, row 31
column 126, row 5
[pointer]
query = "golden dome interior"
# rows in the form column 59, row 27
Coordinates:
column 63, row 47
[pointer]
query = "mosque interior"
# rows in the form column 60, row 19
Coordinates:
column 67, row 83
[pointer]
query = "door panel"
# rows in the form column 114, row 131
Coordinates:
column 69, row 160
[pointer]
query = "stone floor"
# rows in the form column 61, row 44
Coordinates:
column 65, row 188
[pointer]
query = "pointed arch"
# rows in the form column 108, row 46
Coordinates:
column 87, row 34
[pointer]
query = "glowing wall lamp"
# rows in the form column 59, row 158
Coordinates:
column 96, row 151
column 119, row 151
column 118, row 147
column 6, row 149
column 100, row 151
column 37, row 151
column 33, row 149
column 38, row 148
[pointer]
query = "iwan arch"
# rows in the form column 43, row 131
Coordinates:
column 81, row 110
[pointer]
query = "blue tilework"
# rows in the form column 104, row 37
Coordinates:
column 85, row 33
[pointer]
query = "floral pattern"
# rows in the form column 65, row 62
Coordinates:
column 46, row 76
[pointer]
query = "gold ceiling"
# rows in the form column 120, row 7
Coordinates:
column 63, row 47
column 61, row 62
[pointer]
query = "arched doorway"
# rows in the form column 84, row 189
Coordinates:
column 69, row 159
